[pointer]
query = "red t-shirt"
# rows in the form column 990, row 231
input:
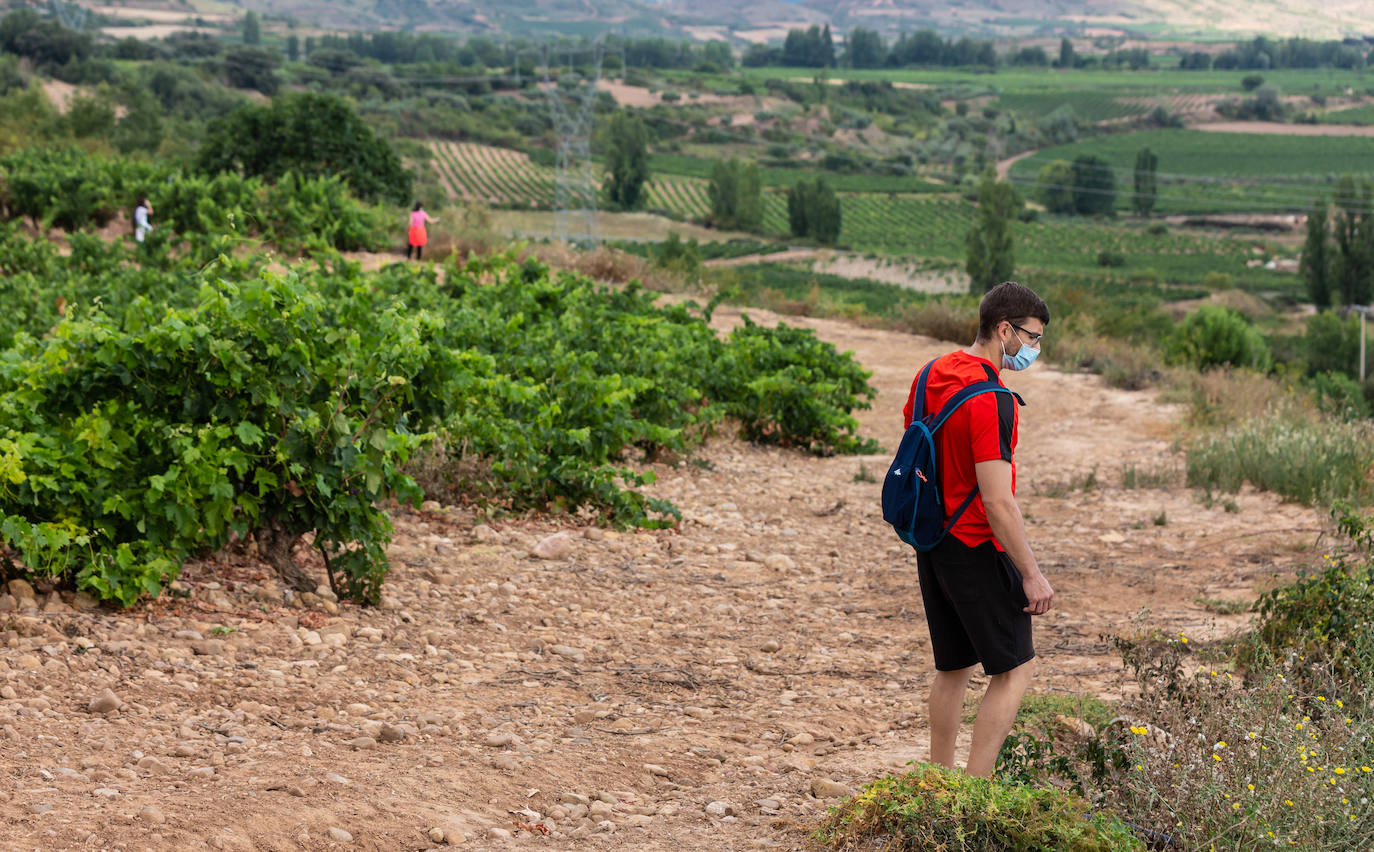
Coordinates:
column 982, row 429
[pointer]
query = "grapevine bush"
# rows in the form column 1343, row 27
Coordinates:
column 70, row 189
column 156, row 405
column 130, row 446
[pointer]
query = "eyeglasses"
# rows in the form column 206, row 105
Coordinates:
column 1034, row 338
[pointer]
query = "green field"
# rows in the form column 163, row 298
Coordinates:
column 1328, row 81
column 936, row 229
column 1088, row 105
column 1356, row 115
column 1204, row 172
column 924, row 227
column 698, row 167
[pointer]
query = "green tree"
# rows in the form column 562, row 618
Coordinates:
column 140, row 128
column 813, row 210
column 1054, row 184
column 90, row 117
column 252, row 28
column 253, row 68
column 724, row 194
column 864, row 49
column 990, row 256
column 1066, row 57
column 628, row 161
column 1094, row 186
column 46, row 42
column 1354, row 230
column 736, row 193
column 293, row 47
column 1316, row 263
column 749, row 197
column 1146, row 188
column 311, row 134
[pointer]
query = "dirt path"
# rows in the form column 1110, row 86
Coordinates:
column 640, row 691
column 1004, row 166
column 775, row 257
column 1282, row 129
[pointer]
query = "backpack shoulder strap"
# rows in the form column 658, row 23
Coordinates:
column 967, row 393
column 992, row 377
column 991, row 385
column 918, row 407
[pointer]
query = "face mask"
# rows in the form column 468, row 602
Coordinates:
column 1024, row 357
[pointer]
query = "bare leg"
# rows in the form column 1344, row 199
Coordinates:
column 996, row 714
column 946, row 710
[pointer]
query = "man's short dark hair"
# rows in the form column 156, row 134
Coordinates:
column 1012, row 302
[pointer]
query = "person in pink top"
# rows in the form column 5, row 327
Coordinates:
column 418, row 237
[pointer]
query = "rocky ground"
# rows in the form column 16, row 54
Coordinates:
column 542, row 684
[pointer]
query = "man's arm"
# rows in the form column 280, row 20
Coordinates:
column 1004, row 516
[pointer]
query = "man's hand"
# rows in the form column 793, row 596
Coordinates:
column 1038, row 594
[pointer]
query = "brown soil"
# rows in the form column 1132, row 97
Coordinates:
column 60, row 93
column 1287, row 129
column 641, row 97
column 1004, row 166
column 774, row 638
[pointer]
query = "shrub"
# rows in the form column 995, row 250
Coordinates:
column 1215, row 336
column 1054, row 186
column 1224, row 397
column 1110, row 258
column 1121, row 364
column 1273, row 746
column 1339, row 396
column 1332, row 343
column 1325, row 616
column 1218, row 281
column 1243, row 761
column 942, row 320
column 934, row 808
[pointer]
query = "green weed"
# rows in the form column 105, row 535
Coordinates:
column 934, row 808
column 1300, row 457
column 1224, row 606
column 1157, row 478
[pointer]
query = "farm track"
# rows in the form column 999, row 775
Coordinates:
column 774, row 638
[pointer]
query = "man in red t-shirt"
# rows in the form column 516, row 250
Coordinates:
column 981, row 584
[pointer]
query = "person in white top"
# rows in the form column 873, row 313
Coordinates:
column 141, row 224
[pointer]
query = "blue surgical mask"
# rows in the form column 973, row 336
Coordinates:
column 1024, row 357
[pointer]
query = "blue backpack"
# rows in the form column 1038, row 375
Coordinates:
column 911, row 491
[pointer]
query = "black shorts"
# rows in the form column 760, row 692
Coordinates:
column 975, row 607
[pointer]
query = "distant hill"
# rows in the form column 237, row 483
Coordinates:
column 1163, row 18
column 769, row 20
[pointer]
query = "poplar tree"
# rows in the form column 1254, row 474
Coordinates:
column 990, row 257
column 628, row 159
column 1315, row 265
column 1146, row 188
